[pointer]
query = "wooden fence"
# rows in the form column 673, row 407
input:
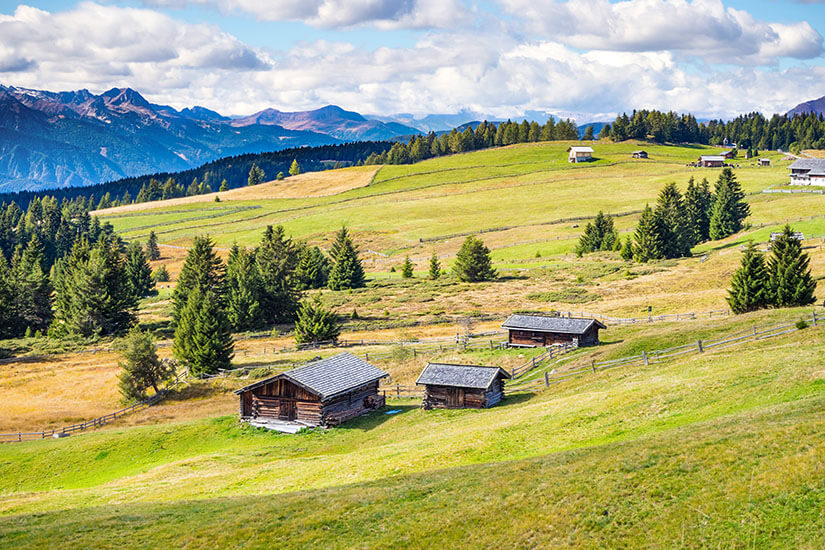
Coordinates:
column 401, row 392
column 551, row 353
column 94, row 423
column 752, row 334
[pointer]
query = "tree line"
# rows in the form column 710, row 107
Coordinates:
column 676, row 224
column 750, row 131
column 484, row 136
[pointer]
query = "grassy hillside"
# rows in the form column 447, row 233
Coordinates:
column 723, row 449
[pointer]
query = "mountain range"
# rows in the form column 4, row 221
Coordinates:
column 814, row 106
column 67, row 139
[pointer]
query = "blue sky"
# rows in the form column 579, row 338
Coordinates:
column 585, row 58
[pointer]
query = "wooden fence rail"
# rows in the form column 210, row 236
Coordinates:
column 94, row 423
column 646, row 358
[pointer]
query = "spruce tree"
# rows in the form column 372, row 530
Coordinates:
column 276, row 258
column 473, row 262
column 203, row 335
column 32, row 288
column 160, row 274
column 670, row 211
column 598, row 235
column 152, row 249
column 647, row 239
column 750, row 286
column 224, row 186
column 435, row 267
column 315, row 323
column 729, row 207
column 243, row 286
column 312, row 271
column 790, row 276
column 407, row 268
column 141, row 368
column 202, row 270
column 138, row 272
column 696, row 212
column 7, row 329
column 626, row 252
column 256, row 175
column 294, row 168
column 347, row 271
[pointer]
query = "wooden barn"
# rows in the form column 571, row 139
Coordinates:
column 808, row 172
column 764, row 162
column 461, row 386
column 729, row 154
column 579, row 154
column 711, row 161
column 538, row 330
column 322, row 393
column 639, row 154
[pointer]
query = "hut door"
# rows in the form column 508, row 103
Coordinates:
column 287, row 410
column 455, row 397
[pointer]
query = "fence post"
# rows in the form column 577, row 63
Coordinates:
column 699, row 345
column 593, row 366
column 367, row 356
column 398, row 391
column 754, row 332
column 644, row 358
column 546, row 380
column 813, row 313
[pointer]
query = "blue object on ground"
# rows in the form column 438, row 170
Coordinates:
column 394, row 411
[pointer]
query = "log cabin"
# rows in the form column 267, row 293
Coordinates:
column 639, row 154
column 711, row 161
column 764, row 162
column 538, row 330
column 808, row 172
column 321, row 393
column 461, row 386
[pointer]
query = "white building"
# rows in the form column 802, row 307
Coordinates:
column 808, row 172
column 580, row 154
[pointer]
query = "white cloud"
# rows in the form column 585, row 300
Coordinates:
column 491, row 70
column 703, row 28
column 382, row 14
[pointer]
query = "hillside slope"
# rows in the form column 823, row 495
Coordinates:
column 813, row 106
column 724, row 449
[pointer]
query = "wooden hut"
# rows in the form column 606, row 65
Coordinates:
column 321, row 393
column 764, row 162
column 461, row 386
column 639, row 154
column 538, row 330
column 711, row 161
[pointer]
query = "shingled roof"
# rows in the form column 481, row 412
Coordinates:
column 460, row 376
column 808, row 164
column 328, row 377
column 539, row 323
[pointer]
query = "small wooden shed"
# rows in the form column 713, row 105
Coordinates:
column 321, row 393
column 764, row 162
column 639, row 154
column 539, row 330
column 449, row 386
column 711, row 161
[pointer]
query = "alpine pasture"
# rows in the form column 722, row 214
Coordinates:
column 722, row 448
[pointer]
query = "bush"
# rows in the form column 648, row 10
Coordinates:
column 801, row 324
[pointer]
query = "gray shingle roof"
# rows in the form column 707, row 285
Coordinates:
column 329, row 377
column 460, row 376
column 565, row 325
column 808, row 164
column 713, row 158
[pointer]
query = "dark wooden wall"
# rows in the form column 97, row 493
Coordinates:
column 448, row 397
column 536, row 338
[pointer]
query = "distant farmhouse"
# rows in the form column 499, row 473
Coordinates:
column 764, row 162
column 461, row 386
column 711, row 161
column 639, row 154
column 808, row 172
column 580, row 154
column 728, row 155
column 321, row 393
column 797, row 236
column 538, row 330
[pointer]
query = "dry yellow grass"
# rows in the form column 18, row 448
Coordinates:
column 311, row 184
column 814, row 153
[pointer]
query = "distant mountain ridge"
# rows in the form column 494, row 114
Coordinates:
column 77, row 138
column 814, row 106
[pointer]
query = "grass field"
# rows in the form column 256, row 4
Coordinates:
column 724, row 450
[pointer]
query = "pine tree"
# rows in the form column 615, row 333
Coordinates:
column 588, row 133
column 729, row 207
column 138, row 272
column 347, row 271
column 647, row 243
column 224, row 186
column 243, row 287
column 750, row 286
column 670, row 211
column 473, row 262
column 202, row 270
column 160, row 274
column 601, row 234
column 312, row 271
column 315, row 323
column 203, row 335
column 697, row 202
column 435, row 267
column 790, row 276
column 256, row 175
column 276, row 258
column 141, row 368
column 32, row 287
column 7, row 319
column 152, row 249
column 626, row 252
column 294, row 168
column 407, row 268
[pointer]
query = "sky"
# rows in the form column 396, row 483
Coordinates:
column 589, row 59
